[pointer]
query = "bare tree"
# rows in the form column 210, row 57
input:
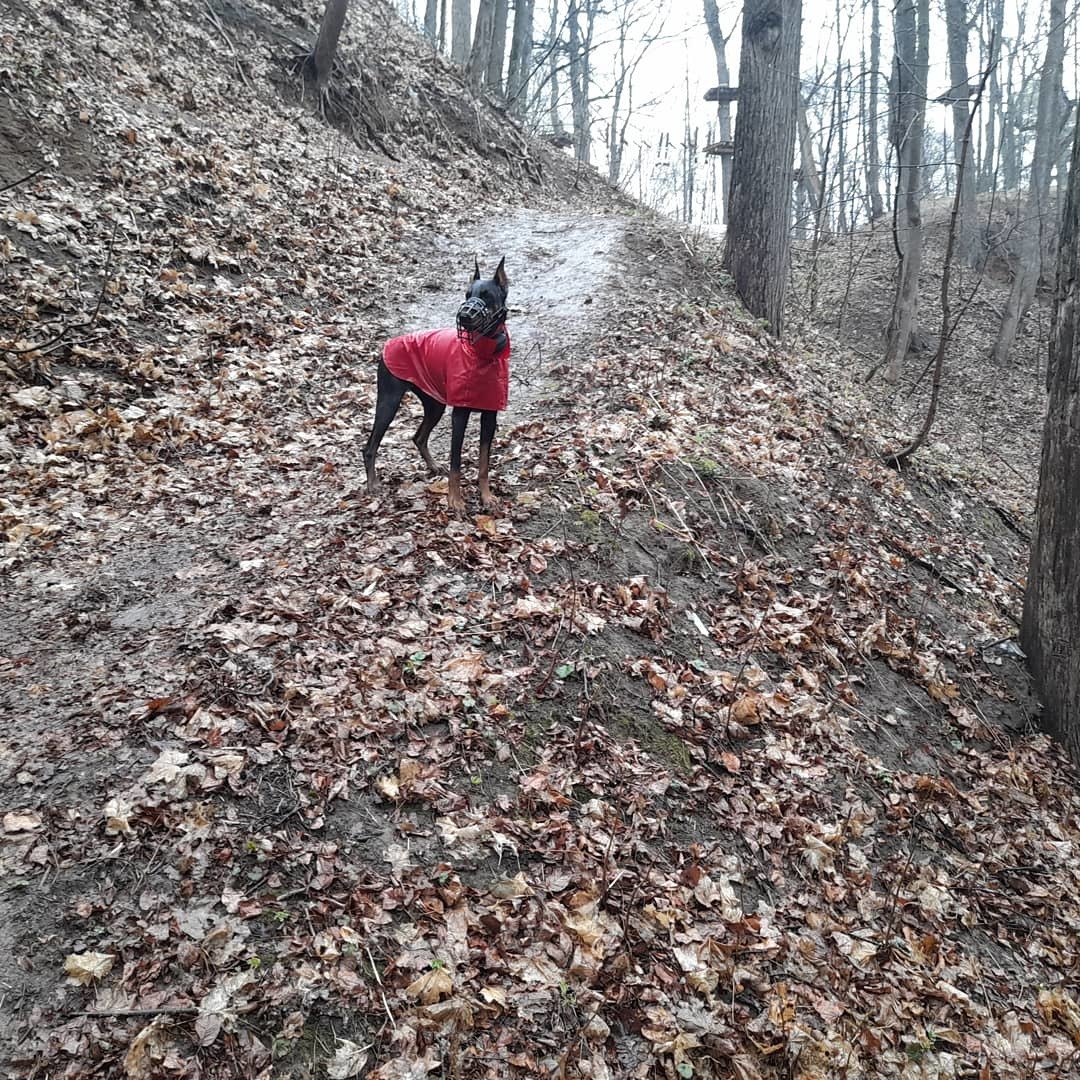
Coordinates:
column 554, row 113
column 320, row 61
column 480, row 54
column 956, row 26
column 431, row 19
column 911, row 31
column 626, row 64
column 461, row 37
column 521, row 53
column 873, row 147
column 1051, row 625
column 757, row 254
column 497, row 56
column 723, row 107
column 990, row 41
column 581, row 36
column 1033, row 223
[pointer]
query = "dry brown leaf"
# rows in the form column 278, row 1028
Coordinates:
column 431, row 986
column 84, row 968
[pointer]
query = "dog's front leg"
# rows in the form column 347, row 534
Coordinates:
column 488, row 423
column 459, row 422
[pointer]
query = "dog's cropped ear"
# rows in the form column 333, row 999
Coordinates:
column 476, row 271
column 500, row 275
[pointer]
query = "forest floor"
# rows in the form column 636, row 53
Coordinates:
column 708, row 754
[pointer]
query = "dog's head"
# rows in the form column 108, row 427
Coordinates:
column 484, row 312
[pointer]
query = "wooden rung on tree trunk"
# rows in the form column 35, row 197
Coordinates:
column 722, row 93
column 723, row 149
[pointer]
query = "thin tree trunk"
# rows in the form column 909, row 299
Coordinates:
column 579, row 84
column 988, row 172
column 497, row 60
column 873, row 146
column 480, row 56
column 521, row 51
column 431, row 18
column 461, row 31
column 1034, row 220
column 964, row 158
column 912, row 36
column 967, row 242
column 321, row 60
column 554, row 114
column 723, row 108
column 1051, row 626
column 757, row 253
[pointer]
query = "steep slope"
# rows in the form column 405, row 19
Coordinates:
column 703, row 757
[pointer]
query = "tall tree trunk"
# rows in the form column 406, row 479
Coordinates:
column 579, row 84
column 480, row 55
column 873, row 146
column 723, row 108
column 431, row 18
column 442, row 25
column 1050, row 632
column 967, row 240
column 757, row 253
column 911, row 32
column 521, row 52
column 811, row 176
column 554, row 112
column 497, row 59
column 321, row 60
column 1034, row 219
column 992, row 50
column 461, row 36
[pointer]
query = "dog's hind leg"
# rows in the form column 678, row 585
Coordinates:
column 460, row 421
column 388, row 394
column 488, row 423
column 433, row 411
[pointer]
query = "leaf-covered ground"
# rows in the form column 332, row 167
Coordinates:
column 707, row 755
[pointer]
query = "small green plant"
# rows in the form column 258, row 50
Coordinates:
column 705, row 467
column 567, row 995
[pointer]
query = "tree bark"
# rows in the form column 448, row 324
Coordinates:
column 988, row 171
column 461, row 33
column 321, row 60
column 579, row 83
column 908, row 118
column 1050, row 631
column 1034, row 220
column 521, row 51
column 431, row 19
column 497, row 59
column 480, row 54
column 873, row 146
column 723, row 108
column 757, row 253
column 967, row 240
column 554, row 113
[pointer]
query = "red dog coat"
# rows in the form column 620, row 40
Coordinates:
column 451, row 371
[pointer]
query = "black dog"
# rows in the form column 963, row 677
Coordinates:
column 467, row 368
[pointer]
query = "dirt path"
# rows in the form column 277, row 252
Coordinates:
column 566, row 275
column 124, row 636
